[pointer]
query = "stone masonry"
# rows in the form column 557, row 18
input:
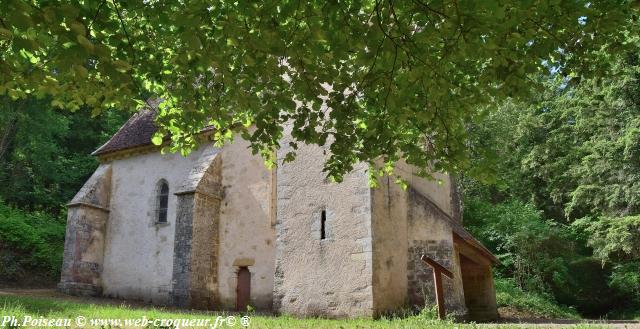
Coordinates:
column 440, row 247
column 314, row 276
column 312, row 247
column 196, row 238
column 420, row 277
column 85, row 236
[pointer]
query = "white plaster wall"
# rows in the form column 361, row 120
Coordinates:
column 138, row 258
column 247, row 236
column 437, row 190
column 390, row 245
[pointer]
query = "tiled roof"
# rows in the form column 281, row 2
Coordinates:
column 458, row 229
column 137, row 131
column 472, row 241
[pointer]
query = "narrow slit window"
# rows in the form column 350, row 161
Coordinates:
column 163, row 202
column 323, row 225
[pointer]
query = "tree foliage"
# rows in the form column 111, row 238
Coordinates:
column 45, row 153
column 533, row 251
column 570, row 157
column 574, row 150
column 44, row 160
column 376, row 78
column 31, row 246
column 616, row 241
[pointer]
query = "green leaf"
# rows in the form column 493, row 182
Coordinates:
column 85, row 43
column 157, row 139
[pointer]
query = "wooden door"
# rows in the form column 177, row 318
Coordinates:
column 243, row 290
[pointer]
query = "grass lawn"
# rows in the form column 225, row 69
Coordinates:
column 52, row 308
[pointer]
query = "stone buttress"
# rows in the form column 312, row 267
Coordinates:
column 87, row 217
column 196, row 243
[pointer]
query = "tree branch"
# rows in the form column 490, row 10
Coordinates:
column 393, row 69
column 126, row 34
column 133, row 52
column 96, row 15
column 439, row 13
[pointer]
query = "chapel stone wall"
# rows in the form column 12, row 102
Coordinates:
column 139, row 251
column 247, row 226
column 314, row 276
column 430, row 234
column 196, row 242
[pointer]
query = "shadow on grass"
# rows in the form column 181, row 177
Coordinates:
column 41, row 305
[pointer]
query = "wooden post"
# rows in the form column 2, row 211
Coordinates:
column 438, row 270
column 437, row 279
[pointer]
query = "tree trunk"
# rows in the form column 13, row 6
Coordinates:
column 10, row 125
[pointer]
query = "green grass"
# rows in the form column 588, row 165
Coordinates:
column 49, row 308
column 509, row 295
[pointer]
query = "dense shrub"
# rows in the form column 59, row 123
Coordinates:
column 544, row 257
column 626, row 277
column 586, row 287
column 535, row 304
column 533, row 251
column 612, row 237
column 616, row 244
column 45, row 153
column 31, row 245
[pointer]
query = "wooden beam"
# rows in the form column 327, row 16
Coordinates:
column 474, row 252
column 436, row 266
column 437, row 278
column 438, row 271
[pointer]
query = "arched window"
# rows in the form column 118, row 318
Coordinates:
column 163, row 202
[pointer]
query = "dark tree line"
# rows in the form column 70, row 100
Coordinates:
column 564, row 214
column 45, row 153
column 44, row 160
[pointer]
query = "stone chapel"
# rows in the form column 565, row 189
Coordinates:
column 219, row 230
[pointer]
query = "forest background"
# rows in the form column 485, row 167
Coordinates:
column 562, row 212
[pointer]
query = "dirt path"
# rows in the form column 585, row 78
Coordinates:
column 559, row 323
